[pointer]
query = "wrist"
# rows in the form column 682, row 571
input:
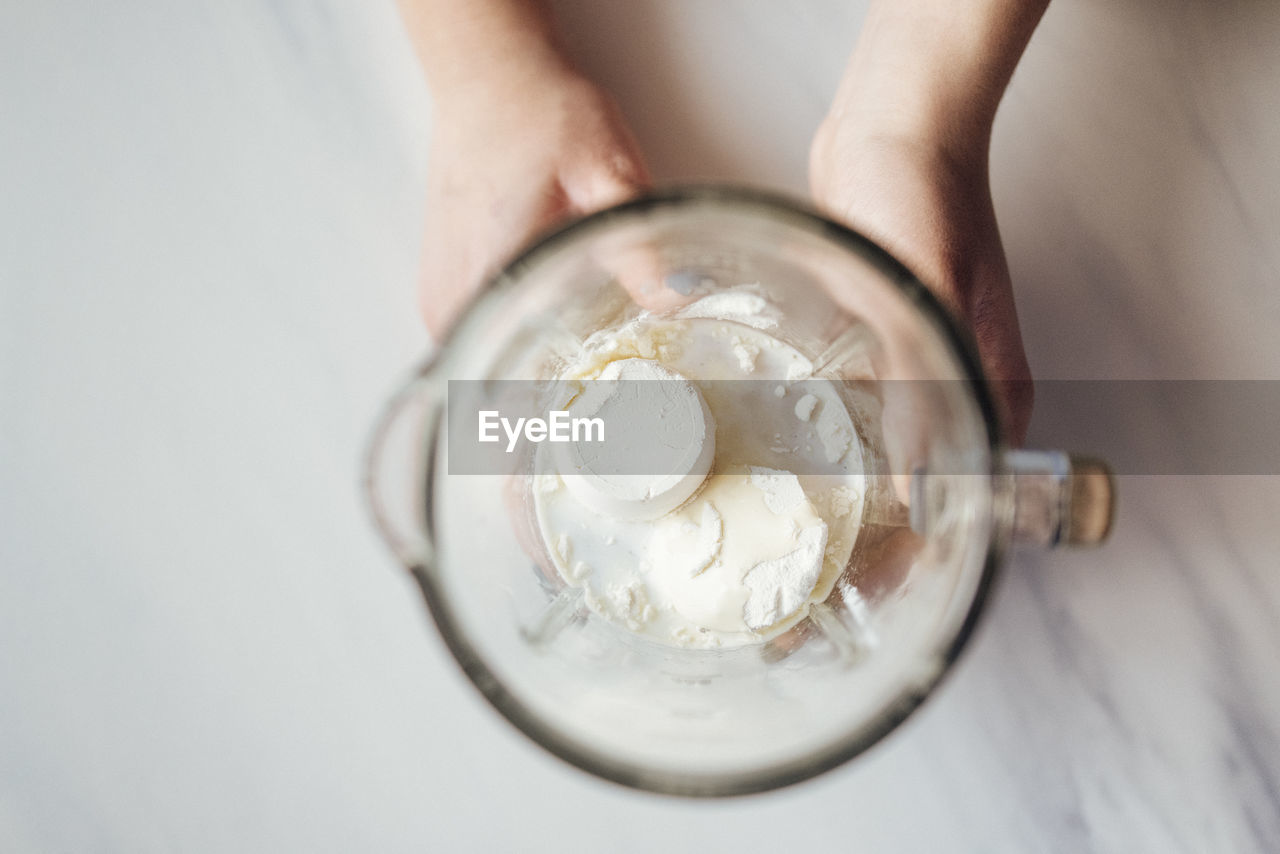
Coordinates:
column 476, row 52
column 469, row 89
column 912, row 101
column 933, row 73
column 920, row 121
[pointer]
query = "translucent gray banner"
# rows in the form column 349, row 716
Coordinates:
column 1140, row 427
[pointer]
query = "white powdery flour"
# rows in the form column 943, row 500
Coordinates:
column 753, row 545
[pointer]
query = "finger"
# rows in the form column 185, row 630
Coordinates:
column 635, row 262
column 599, row 185
column 609, row 168
column 615, row 175
column 458, row 261
column 1004, row 361
column 639, row 269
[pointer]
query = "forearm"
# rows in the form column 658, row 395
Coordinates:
column 936, row 69
column 474, row 49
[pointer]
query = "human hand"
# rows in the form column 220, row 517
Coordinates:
column 520, row 141
column 508, row 164
column 903, row 157
column 933, row 212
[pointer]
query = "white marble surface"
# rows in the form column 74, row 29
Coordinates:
column 208, row 217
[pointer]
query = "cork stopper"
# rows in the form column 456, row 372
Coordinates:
column 1092, row 502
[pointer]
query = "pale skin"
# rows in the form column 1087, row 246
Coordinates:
column 522, row 140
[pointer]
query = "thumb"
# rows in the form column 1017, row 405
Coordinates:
column 605, row 182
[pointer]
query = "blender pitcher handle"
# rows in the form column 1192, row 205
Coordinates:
column 397, row 466
column 1058, row 498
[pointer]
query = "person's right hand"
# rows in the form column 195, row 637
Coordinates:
column 933, row 211
column 508, row 162
column 903, row 157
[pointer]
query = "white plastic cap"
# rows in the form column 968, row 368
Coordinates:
column 658, row 447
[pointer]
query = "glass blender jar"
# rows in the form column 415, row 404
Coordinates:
column 944, row 500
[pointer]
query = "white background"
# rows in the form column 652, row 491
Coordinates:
column 209, row 218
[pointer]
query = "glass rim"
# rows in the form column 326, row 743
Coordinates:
column 909, row 697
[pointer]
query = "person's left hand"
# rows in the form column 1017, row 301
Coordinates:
column 511, row 161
